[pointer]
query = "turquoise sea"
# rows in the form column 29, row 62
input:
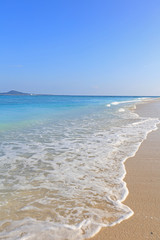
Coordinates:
column 61, row 163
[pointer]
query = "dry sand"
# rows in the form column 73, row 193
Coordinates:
column 143, row 182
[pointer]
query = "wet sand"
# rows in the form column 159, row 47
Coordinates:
column 143, row 182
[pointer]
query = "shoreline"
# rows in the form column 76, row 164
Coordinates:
column 143, row 224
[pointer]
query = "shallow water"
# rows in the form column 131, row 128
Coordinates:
column 61, row 164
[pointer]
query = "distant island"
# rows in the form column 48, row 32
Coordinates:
column 13, row 92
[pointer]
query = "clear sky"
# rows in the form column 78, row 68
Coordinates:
column 93, row 47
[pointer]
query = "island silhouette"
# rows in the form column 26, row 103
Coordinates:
column 13, row 92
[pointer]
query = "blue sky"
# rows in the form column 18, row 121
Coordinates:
column 90, row 47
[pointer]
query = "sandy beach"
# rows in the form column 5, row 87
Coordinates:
column 143, row 182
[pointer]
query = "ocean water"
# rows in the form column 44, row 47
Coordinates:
column 62, row 164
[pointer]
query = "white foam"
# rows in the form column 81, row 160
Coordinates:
column 108, row 105
column 121, row 110
column 130, row 101
column 116, row 103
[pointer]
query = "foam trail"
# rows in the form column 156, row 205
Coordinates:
column 130, row 101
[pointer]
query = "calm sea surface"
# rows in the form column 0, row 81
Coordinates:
column 61, row 164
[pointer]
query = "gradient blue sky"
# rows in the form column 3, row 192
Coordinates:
column 95, row 47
